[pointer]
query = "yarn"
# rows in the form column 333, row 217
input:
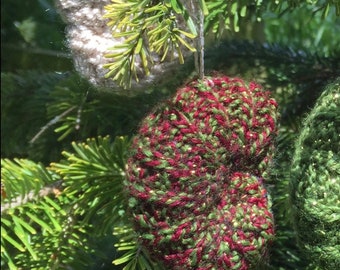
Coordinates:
column 196, row 176
column 315, row 182
column 89, row 39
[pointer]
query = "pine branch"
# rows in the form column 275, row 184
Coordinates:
column 20, row 226
column 60, row 225
column 22, row 177
column 134, row 256
column 27, row 207
column 24, row 96
column 54, row 188
column 51, row 123
column 146, row 28
column 94, row 173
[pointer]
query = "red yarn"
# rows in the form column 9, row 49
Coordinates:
column 196, row 176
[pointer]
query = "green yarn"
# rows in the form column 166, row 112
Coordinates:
column 315, row 182
column 197, row 172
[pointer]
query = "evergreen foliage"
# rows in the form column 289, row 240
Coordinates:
column 169, row 27
column 63, row 201
column 24, row 96
column 53, row 225
column 146, row 27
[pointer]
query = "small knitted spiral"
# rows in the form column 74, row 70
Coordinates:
column 315, row 182
column 195, row 176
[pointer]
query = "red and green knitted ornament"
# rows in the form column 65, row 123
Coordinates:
column 315, row 182
column 196, row 176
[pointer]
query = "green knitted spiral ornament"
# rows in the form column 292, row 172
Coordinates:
column 196, row 176
column 315, row 182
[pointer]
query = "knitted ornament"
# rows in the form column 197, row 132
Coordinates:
column 315, row 182
column 90, row 39
column 195, row 176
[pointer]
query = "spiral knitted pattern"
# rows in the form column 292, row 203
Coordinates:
column 315, row 182
column 196, row 175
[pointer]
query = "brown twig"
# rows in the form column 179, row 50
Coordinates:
column 54, row 188
column 51, row 123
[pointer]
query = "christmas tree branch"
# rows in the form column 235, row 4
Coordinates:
column 54, row 188
column 51, row 123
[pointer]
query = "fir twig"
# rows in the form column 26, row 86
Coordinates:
column 54, row 188
column 51, row 123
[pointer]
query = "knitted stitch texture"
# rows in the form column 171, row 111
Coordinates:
column 89, row 39
column 196, row 173
column 315, row 182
